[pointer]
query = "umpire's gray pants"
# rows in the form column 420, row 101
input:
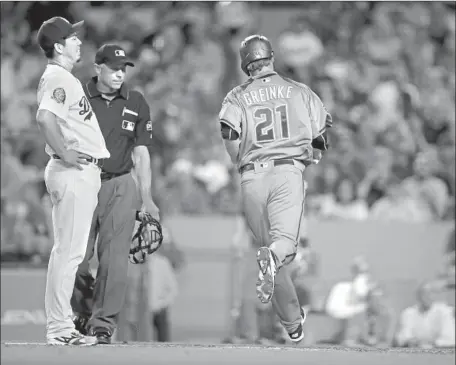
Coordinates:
column 113, row 222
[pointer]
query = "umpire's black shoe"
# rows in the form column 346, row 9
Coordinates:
column 80, row 323
column 103, row 337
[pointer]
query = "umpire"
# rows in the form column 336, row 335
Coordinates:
column 124, row 119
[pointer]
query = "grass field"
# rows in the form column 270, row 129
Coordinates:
column 157, row 354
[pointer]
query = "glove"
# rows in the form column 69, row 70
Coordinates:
column 147, row 239
column 315, row 157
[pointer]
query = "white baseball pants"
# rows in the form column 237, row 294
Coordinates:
column 74, row 195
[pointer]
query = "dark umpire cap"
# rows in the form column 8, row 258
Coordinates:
column 56, row 29
column 112, row 56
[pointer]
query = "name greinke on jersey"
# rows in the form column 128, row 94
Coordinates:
column 267, row 93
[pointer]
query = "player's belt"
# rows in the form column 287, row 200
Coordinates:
column 90, row 159
column 106, row 176
column 251, row 166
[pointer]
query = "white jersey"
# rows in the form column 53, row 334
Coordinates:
column 61, row 93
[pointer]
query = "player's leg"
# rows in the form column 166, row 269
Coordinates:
column 255, row 190
column 286, row 304
column 254, row 196
column 285, row 208
column 118, row 202
column 82, row 299
column 284, row 200
column 74, row 198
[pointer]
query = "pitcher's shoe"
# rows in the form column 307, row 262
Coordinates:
column 73, row 339
column 266, row 276
column 297, row 335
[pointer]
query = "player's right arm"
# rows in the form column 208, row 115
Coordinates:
column 230, row 117
column 52, row 110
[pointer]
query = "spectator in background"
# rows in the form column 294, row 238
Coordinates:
column 428, row 191
column 172, row 251
column 379, row 41
column 326, row 182
column 228, row 198
column 184, row 194
column 163, row 290
column 235, row 20
column 299, row 47
column 348, row 202
column 397, row 205
column 426, row 324
column 386, row 126
column 361, row 279
column 380, row 174
column 379, row 322
column 422, row 197
column 450, row 255
column 347, row 303
column 348, row 142
column 446, row 277
column 203, row 57
column 26, row 227
column 213, row 174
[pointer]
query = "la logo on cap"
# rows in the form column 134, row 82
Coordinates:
column 119, row 53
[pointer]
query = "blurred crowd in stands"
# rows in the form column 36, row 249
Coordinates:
column 385, row 71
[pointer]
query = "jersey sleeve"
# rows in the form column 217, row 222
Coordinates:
column 54, row 95
column 319, row 116
column 144, row 125
column 231, row 112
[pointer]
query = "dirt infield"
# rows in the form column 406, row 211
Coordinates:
column 155, row 354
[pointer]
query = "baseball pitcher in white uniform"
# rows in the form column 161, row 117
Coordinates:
column 76, row 148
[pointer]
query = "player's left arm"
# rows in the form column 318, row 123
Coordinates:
column 141, row 157
column 321, row 121
column 230, row 117
column 231, row 147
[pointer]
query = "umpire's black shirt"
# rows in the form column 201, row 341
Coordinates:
column 124, row 122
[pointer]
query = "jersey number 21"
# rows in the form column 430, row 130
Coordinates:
column 271, row 124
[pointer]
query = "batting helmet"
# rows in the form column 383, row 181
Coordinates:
column 253, row 48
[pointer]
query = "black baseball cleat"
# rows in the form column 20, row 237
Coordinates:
column 103, row 337
column 297, row 335
column 80, row 324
